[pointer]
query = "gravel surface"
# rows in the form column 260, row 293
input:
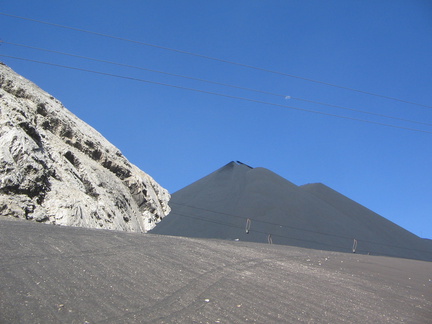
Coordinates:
column 53, row 274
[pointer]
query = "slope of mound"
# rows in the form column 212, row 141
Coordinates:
column 53, row 274
column 257, row 205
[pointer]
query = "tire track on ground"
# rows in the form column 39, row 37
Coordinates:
column 186, row 299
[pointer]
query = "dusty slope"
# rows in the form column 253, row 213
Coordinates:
column 52, row 274
column 55, row 168
column 313, row 216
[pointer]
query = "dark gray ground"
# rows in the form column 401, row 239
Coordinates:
column 51, row 274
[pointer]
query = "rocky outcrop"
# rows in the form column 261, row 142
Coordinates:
column 54, row 168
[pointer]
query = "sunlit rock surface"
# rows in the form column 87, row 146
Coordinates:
column 54, row 168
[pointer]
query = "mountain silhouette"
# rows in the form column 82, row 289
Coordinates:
column 238, row 202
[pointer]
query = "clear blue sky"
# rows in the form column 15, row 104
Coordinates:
column 179, row 136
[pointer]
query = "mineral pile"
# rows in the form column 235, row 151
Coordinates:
column 55, row 168
column 237, row 202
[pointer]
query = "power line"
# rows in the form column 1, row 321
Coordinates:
column 260, row 221
column 279, row 226
column 361, row 111
column 285, row 226
column 214, row 82
column 144, row 69
column 216, row 59
column 218, row 94
column 228, row 96
column 252, row 230
column 256, row 231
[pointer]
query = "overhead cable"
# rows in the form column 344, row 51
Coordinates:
column 257, row 231
column 323, row 244
column 217, row 59
column 219, row 94
column 144, row 69
column 260, row 221
column 360, row 111
column 278, row 225
column 216, row 83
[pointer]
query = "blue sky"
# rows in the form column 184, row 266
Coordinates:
column 178, row 136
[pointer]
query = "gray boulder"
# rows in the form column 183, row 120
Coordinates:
column 56, row 169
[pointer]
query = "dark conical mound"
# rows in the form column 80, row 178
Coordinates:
column 238, row 202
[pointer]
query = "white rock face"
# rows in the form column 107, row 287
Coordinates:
column 54, row 168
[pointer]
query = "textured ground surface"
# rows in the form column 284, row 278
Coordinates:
column 52, row 274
